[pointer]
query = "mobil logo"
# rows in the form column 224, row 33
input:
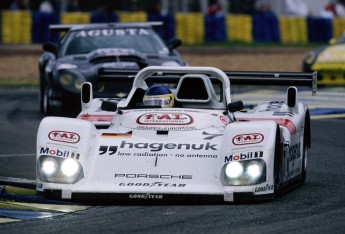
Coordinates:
column 164, row 118
column 63, row 136
column 250, row 138
column 243, row 156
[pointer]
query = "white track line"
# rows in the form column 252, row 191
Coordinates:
column 15, row 155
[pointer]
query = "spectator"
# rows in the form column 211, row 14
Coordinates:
column 14, row 5
column 215, row 8
column 46, row 6
column 72, row 6
column 340, row 8
column 295, row 8
column 328, row 11
column 104, row 14
column 263, row 6
column 20, row 5
column 334, row 8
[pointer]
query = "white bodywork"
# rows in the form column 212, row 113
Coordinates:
column 160, row 153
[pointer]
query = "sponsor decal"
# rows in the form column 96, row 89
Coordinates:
column 153, row 176
column 282, row 113
column 117, row 135
column 146, row 196
column 59, row 153
column 165, row 119
column 167, row 128
column 210, row 136
column 223, row 120
column 113, row 32
column 197, row 155
column 63, row 136
column 290, row 125
column 246, row 139
column 243, row 156
column 63, row 145
column 153, row 184
column 154, row 147
column 295, row 151
column 268, row 187
column 96, row 118
column 274, row 106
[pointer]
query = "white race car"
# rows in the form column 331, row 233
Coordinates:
column 205, row 147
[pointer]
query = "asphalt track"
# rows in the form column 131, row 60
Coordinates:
column 318, row 206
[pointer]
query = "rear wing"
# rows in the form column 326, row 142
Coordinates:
column 67, row 27
column 308, row 79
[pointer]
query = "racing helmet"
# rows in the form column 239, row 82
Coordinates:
column 158, row 95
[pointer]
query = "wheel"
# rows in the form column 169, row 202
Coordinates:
column 41, row 93
column 41, row 99
column 306, row 146
column 304, row 159
column 277, row 163
column 46, row 109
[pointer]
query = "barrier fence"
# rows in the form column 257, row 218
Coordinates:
column 23, row 27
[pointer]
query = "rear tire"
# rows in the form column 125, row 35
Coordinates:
column 306, row 145
column 304, row 159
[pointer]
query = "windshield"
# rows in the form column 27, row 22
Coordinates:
column 143, row 40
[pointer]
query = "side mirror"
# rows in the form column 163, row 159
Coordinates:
column 235, row 106
column 109, row 106
column 174, row 43
column 292, row 97
column 332, row 41
column 50, row 47
column 86, row 95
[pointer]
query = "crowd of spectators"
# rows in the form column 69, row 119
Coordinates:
column 334, row 8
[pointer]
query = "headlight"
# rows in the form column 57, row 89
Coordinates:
column 59, row 170
column 69, row 167
column 310, row 57
column 66, row 66
column 49, row 166
column 66, row 79
column 71, row 80
column 171, row 64
column 244, row 172
column 254, row 170
column 234, row 170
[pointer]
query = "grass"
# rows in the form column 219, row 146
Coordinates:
column 21, row 70
column 235, row 44
column 20, row 82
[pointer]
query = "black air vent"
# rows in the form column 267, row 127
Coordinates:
column 80, row 58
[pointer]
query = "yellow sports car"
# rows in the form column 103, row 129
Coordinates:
column 328, row 61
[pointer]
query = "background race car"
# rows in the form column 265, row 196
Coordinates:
column 84, row 49
column 328, row 61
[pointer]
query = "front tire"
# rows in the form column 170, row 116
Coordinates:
column 277, row 163
column 46, row 108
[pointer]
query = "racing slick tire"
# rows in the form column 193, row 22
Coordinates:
column 304, row 161
column 46, row 109
column 41, row 98
column 306, row 145
column 42, row 92
column 277, row 164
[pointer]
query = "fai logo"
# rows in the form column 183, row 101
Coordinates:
column 62, row 136
column 246, row 139
column 165, row 119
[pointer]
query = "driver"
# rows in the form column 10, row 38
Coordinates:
column 158, row 95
